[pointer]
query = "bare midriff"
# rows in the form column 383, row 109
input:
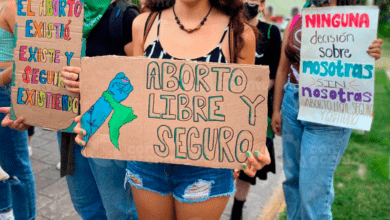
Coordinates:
column 5, row 64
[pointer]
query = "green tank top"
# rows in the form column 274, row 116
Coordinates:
column 6, row 43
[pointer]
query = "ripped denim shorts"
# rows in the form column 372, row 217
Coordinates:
column 186, row 183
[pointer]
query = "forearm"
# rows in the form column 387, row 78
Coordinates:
column 271, row 84
column 280, row 81
column 129, row 49
column 6, row 76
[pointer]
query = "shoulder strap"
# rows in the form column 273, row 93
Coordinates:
column 116, row 19
column 149, row 24
column 269, row 31
column 1, row 7
column 232, row 44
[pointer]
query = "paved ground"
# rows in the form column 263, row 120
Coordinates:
column 53, row 201
column 262, row 191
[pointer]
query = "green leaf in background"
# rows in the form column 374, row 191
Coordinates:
column 136, row 2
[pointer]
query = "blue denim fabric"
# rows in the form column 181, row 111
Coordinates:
column 96, row 188
column 186, row 183
column 17, row 193
column 311, row 154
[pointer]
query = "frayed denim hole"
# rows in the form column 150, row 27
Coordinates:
column 133, row 178
column 198, row 190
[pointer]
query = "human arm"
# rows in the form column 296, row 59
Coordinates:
column 247, row 53
column 271, row 84
column 257, row 160
column 138, row 34
column 129, row 49
column 10, row 12
column 6, row 76
column 375, row 49
column 137, row 41
column 280, row 81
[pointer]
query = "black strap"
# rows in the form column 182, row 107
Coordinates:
column 67, row 154
column 148, row 25
column 232, row 44
column 158, row 24
column 224, row 34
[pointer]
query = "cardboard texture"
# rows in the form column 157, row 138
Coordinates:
column 179, row 112
column 336, row 85
column 49, row 34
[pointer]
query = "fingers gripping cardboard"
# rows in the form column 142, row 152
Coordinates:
column 203, row 114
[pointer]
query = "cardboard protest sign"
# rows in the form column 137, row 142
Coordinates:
column 203, row 114
column 49, row 37
column 336, row 85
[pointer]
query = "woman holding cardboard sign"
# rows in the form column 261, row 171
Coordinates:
column 18, row 192
column 167, row 191
column 311, row 151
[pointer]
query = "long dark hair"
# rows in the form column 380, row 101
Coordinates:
column 232, row 8
column 346, row 2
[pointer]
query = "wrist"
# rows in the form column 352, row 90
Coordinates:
column 276, row 111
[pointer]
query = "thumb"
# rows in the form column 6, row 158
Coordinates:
column 6, row 121
column 5, row 110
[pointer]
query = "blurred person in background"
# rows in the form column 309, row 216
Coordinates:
column 268, row 46
column 173, row 191
column 308, row 188
column 268, row 13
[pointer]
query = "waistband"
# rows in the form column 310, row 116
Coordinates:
column 291, row 87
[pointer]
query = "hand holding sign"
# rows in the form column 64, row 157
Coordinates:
column 70, row 78
column 256, row 162
column 118, row 90
column 375, row 49
column 80, row 132
column 17, row 125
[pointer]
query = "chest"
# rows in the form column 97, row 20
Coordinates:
column 177, row 43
